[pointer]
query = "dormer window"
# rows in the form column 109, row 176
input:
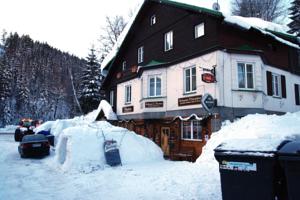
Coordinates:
column 124, row 66
column 153, row 20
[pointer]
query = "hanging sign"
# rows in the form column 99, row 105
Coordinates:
column 208, row 78
column 208, row 102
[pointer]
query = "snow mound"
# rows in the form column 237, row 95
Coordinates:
column 270, row 130
column 79, row 144
column 106, row 108
column 254, row 132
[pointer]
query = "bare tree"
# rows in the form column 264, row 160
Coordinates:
column 269, row 10
column 111, row 31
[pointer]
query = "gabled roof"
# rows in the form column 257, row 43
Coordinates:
column 266, row 28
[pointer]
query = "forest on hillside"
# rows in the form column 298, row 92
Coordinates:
column 37, row 80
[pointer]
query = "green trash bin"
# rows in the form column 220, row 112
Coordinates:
column 248, row 174
column 289, row 157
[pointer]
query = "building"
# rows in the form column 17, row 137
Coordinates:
column 173, row 54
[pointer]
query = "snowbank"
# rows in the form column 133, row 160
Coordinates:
column 81, row 147
column 8, row 129
column 79, row 143
column 263, row 133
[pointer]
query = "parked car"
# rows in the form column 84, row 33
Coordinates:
column 48, row 135
column 26, row 127
column 34, row 145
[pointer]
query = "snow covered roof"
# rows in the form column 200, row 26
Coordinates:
column 204, row 6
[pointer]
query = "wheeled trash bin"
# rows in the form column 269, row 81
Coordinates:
column 289, row 157
column 249, row 169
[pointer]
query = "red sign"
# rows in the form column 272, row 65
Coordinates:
column 208, row 78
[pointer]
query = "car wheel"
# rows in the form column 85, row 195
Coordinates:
column 22, row 156
column 17, row 135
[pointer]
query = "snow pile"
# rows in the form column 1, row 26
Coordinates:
column 253, row 132
column 81, row 147
column 8, row 129
column 106, row 108
column 79, row 142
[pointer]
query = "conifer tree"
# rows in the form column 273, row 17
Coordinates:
column 295, row 16
column 91, row 83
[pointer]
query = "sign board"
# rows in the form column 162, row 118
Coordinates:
column 189, row 100
column 127, row 109
column 238, row 166
column 208, row 78
column 208, row 102
column 154, row 104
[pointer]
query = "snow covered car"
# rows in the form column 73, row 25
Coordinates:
column 48, row 135
column 26, row 127
column 34, row 145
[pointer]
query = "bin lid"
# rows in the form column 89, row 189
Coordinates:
column 290, row 149
column 250, row 145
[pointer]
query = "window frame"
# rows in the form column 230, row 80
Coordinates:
column 128, row 94
column 196, row 33
column 111, row 98
column 153, row 20
column 140, row 54
column 245, row 75
column 155, row 86
column 124, row 65
column 191, row 123
column 190, row 79
column 279, row 95
column 168, row 45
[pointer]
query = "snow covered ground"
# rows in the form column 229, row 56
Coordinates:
column 155, row 179
column 8, row 129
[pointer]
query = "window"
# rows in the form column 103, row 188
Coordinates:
column 276, row 85
column 199, row 30
column 190, row 79
column 169, row 41
column 111, row 98
column 141, row 54
column 154, row 86
column 124, row 66
column 128, row 94
column 153, row 20
column 245, row 76
column 191, row 130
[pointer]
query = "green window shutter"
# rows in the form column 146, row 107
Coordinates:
column 283, row 86
column 269, row 84
column 297, row 100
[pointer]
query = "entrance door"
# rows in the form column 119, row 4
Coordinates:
column 164, row 139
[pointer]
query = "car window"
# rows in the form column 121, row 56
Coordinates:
column 29, row 138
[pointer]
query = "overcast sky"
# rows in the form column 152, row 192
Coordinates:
column 70, row 25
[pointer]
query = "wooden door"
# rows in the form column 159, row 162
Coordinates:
column 164, row 140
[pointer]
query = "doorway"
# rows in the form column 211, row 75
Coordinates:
column 164, row 140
